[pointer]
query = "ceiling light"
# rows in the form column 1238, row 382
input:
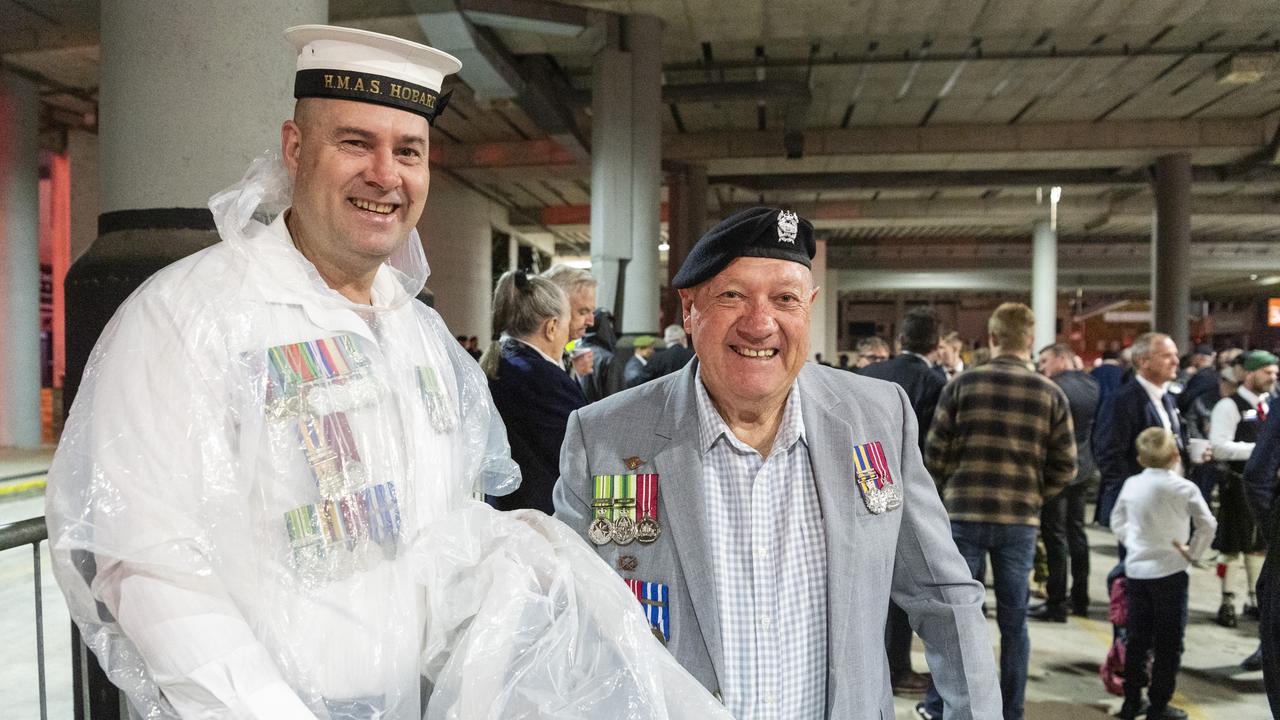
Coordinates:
column 1254, row 276
column 664, row 246
column 1244, row 69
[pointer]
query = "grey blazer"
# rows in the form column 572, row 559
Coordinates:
column 906, row 553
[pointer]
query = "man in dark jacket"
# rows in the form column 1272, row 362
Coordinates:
column 1133, row 407
column 671, row 358
column 914, row 372
column 1262, row 486
column 1062, row 518
column 605, row 377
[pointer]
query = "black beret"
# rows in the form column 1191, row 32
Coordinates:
column 758, row 232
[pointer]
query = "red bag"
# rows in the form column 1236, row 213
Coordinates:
column 1118, row 608
column 1112, row 670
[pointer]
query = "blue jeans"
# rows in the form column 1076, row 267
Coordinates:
column 1012, row 549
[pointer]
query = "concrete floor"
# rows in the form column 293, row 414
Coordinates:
column 1064, row 657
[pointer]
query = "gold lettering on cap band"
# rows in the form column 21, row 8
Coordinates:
column 370, row 88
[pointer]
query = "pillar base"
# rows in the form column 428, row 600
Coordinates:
column 131, row 246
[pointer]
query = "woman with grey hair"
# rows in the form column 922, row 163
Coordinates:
column 530, row 388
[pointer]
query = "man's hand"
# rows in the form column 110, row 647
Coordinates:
column 583, row 361
column 1184, row 550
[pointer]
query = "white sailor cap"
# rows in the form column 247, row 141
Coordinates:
column 351, row 64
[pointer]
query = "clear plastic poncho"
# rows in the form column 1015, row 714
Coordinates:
column 263, row 506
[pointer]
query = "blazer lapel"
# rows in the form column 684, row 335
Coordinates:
column 830, row 442
column 679, row 464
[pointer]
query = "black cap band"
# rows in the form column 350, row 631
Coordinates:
column 367, row 87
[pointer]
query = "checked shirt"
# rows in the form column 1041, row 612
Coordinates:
column 1001, row 443
column 769, row 562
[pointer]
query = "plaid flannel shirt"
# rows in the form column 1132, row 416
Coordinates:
column 1001, row 443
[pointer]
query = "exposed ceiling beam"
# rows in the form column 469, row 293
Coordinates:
column 1154, row 135
column 924, row 56
column 1149, row 136
column 1092, row 258
column 818, row 182
column 994, row 212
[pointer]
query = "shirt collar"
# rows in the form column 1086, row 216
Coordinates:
column 711, row 427
column 1155, row 392
column 1252, row 398
column 534, row 348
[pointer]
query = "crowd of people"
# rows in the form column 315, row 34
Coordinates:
column 265, row 504
column 1145, row 426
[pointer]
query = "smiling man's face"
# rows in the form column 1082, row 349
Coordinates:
column 360, row 179
column 750, row 328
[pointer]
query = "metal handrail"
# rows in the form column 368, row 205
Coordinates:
column 32, row 532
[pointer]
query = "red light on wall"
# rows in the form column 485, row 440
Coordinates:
column 1273, row 312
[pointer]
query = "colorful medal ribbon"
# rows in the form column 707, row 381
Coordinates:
column 871, row 469
column 647, row 527
column 653, row 600
column 624, row 509
column 600, row 532
column 331, row 539
column 327, row 372
column 439, row 409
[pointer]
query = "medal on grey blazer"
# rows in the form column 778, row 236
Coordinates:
column 632, row 462
column 624, row 530
column 653, row 597
column 871, row 471
column 870, row 497
column 600, row 532
column 894, row 496
column 647, row 528
column 624, row 509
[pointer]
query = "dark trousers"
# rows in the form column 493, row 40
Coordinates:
column 1155, row 620
column 897, row 640
column 1269, row 614
column 1065, row 544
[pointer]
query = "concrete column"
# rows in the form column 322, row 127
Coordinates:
column 686, row 218
column 19, row 262
column 644, row 40
column 818, row 314
column 191, row 91
column 1044, row 283
column 610, row 173
column 1171, row 248
column 626, row 175
column 457, row 233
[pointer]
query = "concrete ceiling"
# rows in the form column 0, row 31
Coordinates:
column 893, row 124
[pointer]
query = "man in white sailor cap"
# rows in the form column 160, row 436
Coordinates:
column 266, row 427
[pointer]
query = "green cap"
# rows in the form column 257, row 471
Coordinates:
column 1258, row 359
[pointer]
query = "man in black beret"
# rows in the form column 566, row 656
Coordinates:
column 766, row 509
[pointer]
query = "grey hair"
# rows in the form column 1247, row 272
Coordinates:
column 1142, row 346
column 570, row 279
column 1061, row 350
column 673, row 334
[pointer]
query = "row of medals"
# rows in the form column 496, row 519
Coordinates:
column 622, row 529
column 879, row 499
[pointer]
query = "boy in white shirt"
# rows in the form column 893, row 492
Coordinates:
column 1151, row 520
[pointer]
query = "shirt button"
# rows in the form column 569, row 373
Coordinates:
column 766, row 623
column 760, row 551
column 769, row 698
